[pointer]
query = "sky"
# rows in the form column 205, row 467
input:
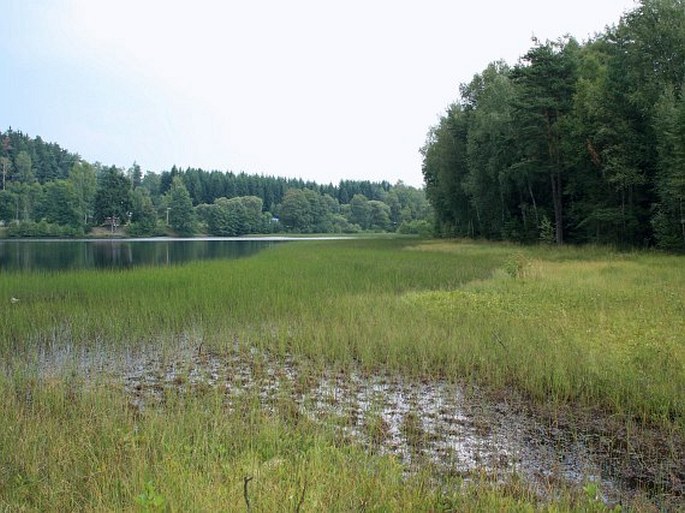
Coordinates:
column 318, row 90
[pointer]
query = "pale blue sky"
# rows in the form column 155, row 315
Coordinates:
column 299, row 88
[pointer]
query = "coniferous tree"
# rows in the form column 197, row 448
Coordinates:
column 181, row 214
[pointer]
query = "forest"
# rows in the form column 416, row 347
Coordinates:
column 48, row 191
column 577, row 142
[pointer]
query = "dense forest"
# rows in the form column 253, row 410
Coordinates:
column 48, row 191
column 574, row 143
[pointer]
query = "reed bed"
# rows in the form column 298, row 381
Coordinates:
column 587, row 328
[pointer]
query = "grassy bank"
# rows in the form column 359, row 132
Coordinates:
column 567, row 328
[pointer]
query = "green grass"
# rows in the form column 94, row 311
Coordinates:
column 569, row 327
column 607, row 331
column 70, row 447
column 566, row 325
column 274, row 290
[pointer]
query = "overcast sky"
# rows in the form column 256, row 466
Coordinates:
column 312, row 89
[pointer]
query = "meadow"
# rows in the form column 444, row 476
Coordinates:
column 587, row 340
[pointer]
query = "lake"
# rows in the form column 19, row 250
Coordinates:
column 53, row 255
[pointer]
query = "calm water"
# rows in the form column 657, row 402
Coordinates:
column 33, row 255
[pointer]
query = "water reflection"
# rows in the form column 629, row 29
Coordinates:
column 54, row 255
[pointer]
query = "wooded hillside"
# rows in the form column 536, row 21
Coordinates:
column 49, row 191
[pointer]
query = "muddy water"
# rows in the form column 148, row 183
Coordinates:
column 430, row 422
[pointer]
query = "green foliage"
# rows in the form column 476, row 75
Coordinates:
column 444, row 171
column 295, row 212
column 112, row 198
column 547, row 235
column 8, row 202
column 340, row 224
column 235, row 216
column 379, row 215
column 60, row 204
column 144, row 222
column 545, row 84
column 181, row 213
column 23, row 168
column 27, row 199
column 5, row 169
column 38, row 160
column 417, row 227
column 42, row 229
column 488, row 99
column 669, row 220
column 517, row 265
column 150, row 500
column 589, row 135
column 360, row 211
column 84, row 183
column 593, row 500
column 135, row 174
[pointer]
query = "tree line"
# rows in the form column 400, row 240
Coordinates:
column 48, row 191
column 575, row 143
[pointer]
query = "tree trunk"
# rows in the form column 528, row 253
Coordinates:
column 558, row 207
column 555, row 176
column 535, row 206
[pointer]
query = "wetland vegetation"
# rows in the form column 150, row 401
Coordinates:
column 351, row 375
column 372, row 373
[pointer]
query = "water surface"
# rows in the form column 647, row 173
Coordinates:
column 55, row 255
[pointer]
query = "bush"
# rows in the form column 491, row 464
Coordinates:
column 416, row 227
column 42, row 229
column 146, row 229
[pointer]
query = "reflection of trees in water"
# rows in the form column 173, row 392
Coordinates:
column 55, row 255
column 113, row 254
